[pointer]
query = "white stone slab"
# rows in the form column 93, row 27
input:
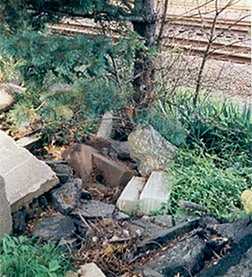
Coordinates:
column 25, row 176
column 155, row 193
column 5, row 211
column 128, row 201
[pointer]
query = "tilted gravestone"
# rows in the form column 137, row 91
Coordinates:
column 25, row 176
column 5, row 211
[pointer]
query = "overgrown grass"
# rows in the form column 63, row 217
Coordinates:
column 198, row 178
column 22, row 257
column 214, row 161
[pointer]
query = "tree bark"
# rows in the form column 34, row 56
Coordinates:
column 144, row 70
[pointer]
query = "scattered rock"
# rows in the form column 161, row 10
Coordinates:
column 66, row 198
column 25, row 176
column 188, row 205
column 162, row 220
column 155, row 193
column 128, row 201
column 234, row 231
column 94, row 209
column 20, row 219
column 5, row 211
column 106, row 126
column 150, row 150
column 113, row 173
column 151, row 273
column 244, row 268
column 185, row 258
column 63, row 171
column 56, row 229
column 79, row 157
column 167, row 235
column 91, row 270
column 6, row 100
column 60, row 88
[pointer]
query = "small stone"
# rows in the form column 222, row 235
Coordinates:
column 162, row 220
column 5, row 211
column 72, row 274
column 156, row 192
column 106, row 126
column 67, row 197
column 91, row 270
column 20, row 221
column 246, row 199
column 128, row 201
column 94, row 209
column 79, row 157
column 63, row 171
column 113, row 173
column 6, row 99
column 150, row 150
column 56, row 229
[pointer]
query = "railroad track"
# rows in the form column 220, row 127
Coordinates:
column 220, row 51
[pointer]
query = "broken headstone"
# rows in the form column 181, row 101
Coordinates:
column 25, row 176
column 106, row 126
column 128, row 201
column 156, row 192
column 150, row 150
column 113, row 173
column 5, row 211
column 79, row 157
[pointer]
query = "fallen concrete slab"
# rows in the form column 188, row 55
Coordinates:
column 25, row 176
column 128, row 201
column 5, row 211
column 155, row 193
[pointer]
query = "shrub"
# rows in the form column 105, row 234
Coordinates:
column 21, row 257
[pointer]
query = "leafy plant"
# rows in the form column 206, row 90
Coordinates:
column 22, row 257
column 196, row 178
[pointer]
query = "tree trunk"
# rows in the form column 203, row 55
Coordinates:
column 144, row 70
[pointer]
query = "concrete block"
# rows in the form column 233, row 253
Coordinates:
column 128, row 201
column 5, row 211
column 113, row 172
column 91, row 270
column 106, row 126
column 156, row 192
column 25, row 176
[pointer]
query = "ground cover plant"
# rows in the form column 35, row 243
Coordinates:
column 214, row 161
column 23, row 257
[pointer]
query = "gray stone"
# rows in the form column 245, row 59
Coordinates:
column 6, row 100
column 56, row 229
column 67, row 197
column 63, row 171
column 91, row 270
column 128, row 201
column 5, row 211
column 156, row 192
column 150, row 150
column 165, row 236
column 106, row 126
column 94, row 209
column 60, row 88
column 185, row 258
column 151, row 273
column 25, row 176
column 244, row 268
column 162, row 220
